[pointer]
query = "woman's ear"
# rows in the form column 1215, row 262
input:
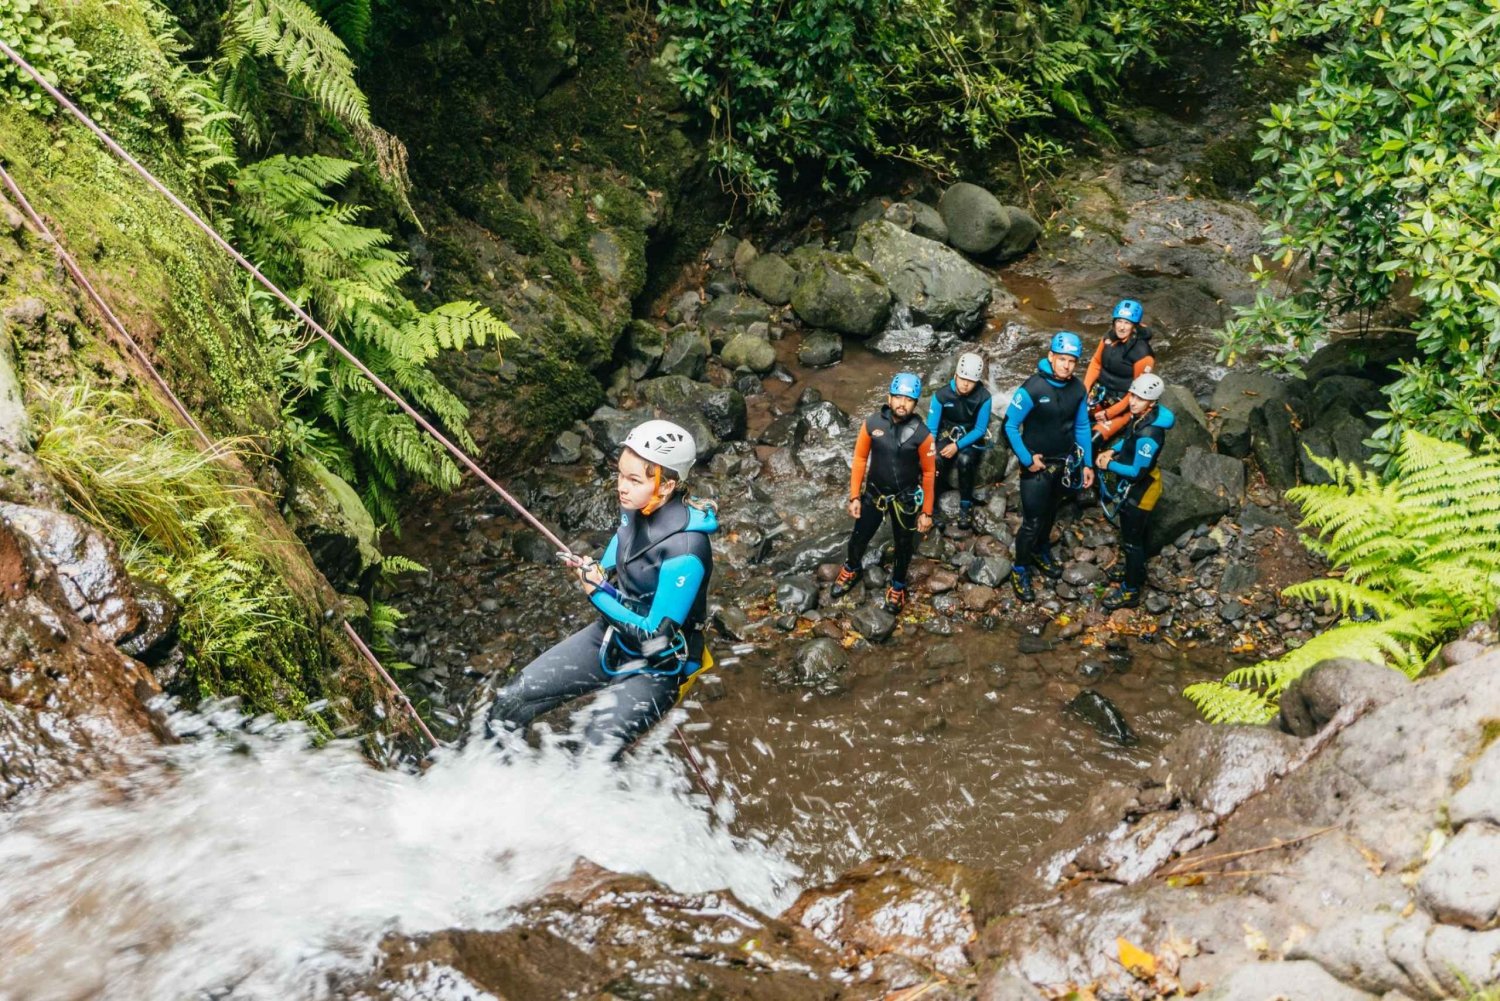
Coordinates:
column 667, row 489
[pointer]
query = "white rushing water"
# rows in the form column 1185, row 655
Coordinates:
column 252, row 867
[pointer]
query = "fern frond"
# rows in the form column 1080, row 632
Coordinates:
column 1223, row 703
column 304, row 48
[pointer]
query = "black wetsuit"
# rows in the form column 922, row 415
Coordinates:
column 899, row 458
column 964, row 420
column 647, row 641
column 1136, row 453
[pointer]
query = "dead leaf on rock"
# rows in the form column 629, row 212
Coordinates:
column 1140, row 963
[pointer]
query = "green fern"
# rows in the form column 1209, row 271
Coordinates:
column 301, row 44
column 349, row 277
column 1416, row 557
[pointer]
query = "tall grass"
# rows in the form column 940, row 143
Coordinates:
column 181, row 523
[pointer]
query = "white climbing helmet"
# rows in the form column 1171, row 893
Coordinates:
column 1147, row 387
column 666, row 444
column 970, row 366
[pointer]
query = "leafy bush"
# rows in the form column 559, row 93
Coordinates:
column 45, row 43
column 1386, row 179
column 348, row 276
column 1416, row 557
column 817, row 87
column 182, row 524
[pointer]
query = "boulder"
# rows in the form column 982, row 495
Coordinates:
column 820, row 348
column 644, row 346
column 772, row 278
column 1183, row 505
column 937, row 285
column 677, row 398
column 1461, row 885
column 609, row 426
column 1103, row 716
column 749, row 352
column 1005, row 986
column 730, row 313
column 1190, row 431
column 928, row 222
column 1344, row 394
column 1273, row 440
column 1221, row 475
column 976, row 220
column 1341, row 437
column 685, row 353
column 1019, row 235
column 873, row 623
column 329, row 518
column 797, row 594
column 820, row 665
column 1480, row 799
column 840, row 292
column 1313, row 699
column 988, row 571
column 567, row 448
column 1236, row 398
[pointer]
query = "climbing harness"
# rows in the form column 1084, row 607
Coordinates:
column 1072, row 470
column 1113, row 489
column 298, row 311
column 953, row 432
column 900, row 511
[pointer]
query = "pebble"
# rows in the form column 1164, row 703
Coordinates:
column 1232, row 611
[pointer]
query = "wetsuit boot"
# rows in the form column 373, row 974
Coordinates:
column 966, row 515
column 847, row 578
column 895, row 599
column 1044, row 561
column 1122, row 597
column 1116, row 573
column 1020, row 582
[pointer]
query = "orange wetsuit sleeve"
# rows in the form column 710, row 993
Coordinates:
column 1143, row 366
column 1096, row 364
column 861, row 459
column 929, row 474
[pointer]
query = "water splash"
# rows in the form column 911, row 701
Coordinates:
column 250, row 866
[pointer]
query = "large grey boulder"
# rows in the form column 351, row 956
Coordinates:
column 820, row 348
column 1236, row 398
column 729, row 314
column 1019, row 235
column 1341, row 436
column 1221, row 475
column 928, row 222
column 1183, row 505
column 1461, row 885
column 1302, row 980
column 88, row 566
column 685, row 353
column 976, row 220
column 675, row 397
column 748, row 351
column 819, row 665
column 1315, row 697
column 840, row 292
column 935, row 283
column 1190, row 431
column 1273, row 441
column 772, row 278
column 873, row 623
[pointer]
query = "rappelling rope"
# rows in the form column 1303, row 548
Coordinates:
column 249, row 267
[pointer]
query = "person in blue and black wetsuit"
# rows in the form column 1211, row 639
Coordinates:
column 1047, row 424
column 959, row 419
column 651, row 591
column 1130, row 459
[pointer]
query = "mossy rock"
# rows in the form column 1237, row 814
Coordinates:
column 840, row 292
column 747, row 351
column 772, row 278
column 327, row 515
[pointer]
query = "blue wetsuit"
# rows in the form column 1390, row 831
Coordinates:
column 647, row 641
column 1047, row 417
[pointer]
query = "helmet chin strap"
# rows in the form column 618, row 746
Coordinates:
column 657, row 500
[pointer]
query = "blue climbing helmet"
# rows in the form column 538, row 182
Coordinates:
column 907, row 384
column 1067, row 343
column 1128, row 309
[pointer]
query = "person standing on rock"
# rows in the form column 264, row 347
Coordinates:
column 1123, row 354
column 959, row 418
column 895, row 469
column 1047, row 424
column 1132, row 458
column 651, row 591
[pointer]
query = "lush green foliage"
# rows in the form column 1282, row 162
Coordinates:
column 1387, row 179
column 181, row 524
column 348, row 276
column 820, row 86
column 1416, row 556
column 45, row 43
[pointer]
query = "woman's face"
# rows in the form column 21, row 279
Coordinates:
column 1138, row 406
column 637, row 486
column 1124, row 328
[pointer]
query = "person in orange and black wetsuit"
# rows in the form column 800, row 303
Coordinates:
column 895, row 469
column 1123, row 354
